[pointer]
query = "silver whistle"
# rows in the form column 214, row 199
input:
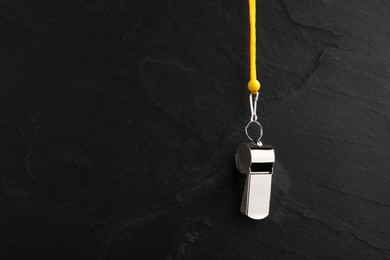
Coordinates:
column 256, row 161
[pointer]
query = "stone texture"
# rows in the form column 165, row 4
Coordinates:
column 119, row 121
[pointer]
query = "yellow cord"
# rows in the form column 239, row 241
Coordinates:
column 253, row 84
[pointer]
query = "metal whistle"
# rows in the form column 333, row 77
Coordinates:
column 256, row 161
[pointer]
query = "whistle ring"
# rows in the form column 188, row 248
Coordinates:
column 260, row 131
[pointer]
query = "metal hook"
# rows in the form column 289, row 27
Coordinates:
column 255, row 98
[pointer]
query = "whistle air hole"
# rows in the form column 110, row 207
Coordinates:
column 262, row 167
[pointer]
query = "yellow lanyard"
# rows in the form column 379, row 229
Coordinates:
column 253, row 84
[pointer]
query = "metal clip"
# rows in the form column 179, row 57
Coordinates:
column 257, row 163
column 253, row 98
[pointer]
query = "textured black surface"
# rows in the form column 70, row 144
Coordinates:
column 119, row 121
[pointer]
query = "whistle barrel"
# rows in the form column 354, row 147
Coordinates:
column 257, row 163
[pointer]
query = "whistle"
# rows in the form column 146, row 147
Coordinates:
column 256, row 161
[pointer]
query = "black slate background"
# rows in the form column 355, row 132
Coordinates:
column 119, row 121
